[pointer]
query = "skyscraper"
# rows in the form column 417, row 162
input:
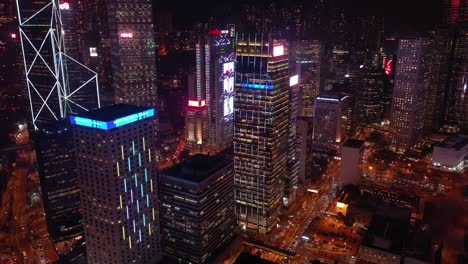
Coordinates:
column 197, row 129
column 51, row 94
column 197, row 207
column 409, row 93
column 370, row 92
column 56, row 85
column 261, row 129
column 214, row 82
column 59, row 182
column 307, row 56
column 117, row 177
column 329, row 121
column 133, row 50
column 305, row 129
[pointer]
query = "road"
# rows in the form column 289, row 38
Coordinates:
column 295, row 220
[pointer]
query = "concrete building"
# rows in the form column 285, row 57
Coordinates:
column 197, row 129
column 412, row 81
column 117, row 177
column 197, row 207
column 329, row 121
column 307, row 56
column 451, row 154
column 305, row 129
column 351, row 162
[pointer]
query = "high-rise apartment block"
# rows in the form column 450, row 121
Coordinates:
column 261, row 129
column 412, row 81
column 214, row 82
column 197, row 207
column 117, row 177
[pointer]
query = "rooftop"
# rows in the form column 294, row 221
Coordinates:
column 353, row 143
column 456, row 142
column 112, row 112
column 110, row 117
column 388, row 229
column 197, row 168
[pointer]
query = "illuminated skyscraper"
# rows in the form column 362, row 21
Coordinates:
column 261, row 129
column 197, row 207
column 214, row 82
column 57, row 85
column 197, row 127
column 133, row 52
column 329, row 121
column 117, row 176
column 51, row 94
column 409, row 93
column 370, row 92
column 307, row 58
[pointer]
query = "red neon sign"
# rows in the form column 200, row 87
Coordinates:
column 388, row 66
column 126, row 35
column 218, row 32
column 196, row 103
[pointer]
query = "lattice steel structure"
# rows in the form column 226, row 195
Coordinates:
column 52, row 92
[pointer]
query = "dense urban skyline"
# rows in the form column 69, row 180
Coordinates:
column 263, row 131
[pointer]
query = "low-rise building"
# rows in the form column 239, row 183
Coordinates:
column 451, row 154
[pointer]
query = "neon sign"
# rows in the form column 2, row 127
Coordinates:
column 93, row 52
column 218, row 32
column 126, row 35
column 13, row 35
column 257, row 86
column 294, row 80
column 196, row 103
column 64, row 6
column 278, row 51
column 388, row 66
column 107, row 125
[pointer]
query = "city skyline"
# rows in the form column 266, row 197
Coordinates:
column 269, row 131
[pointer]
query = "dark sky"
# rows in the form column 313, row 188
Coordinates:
column 398, row 13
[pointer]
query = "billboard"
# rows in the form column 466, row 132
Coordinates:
column 228, row 88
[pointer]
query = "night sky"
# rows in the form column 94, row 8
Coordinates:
column 405, row 15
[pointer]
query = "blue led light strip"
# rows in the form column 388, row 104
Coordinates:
column 103, row 125
column 257, row 86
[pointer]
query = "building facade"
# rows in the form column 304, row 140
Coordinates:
column 133, row 52
column 305, row 129
column 307, row 56
column 117, row 177
column 351, row 162
column 214, row 82
column 261, row 115
column 329, row 121
column 59, row 182
column 412, row 82
column 197, row 207
column 197, row 129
